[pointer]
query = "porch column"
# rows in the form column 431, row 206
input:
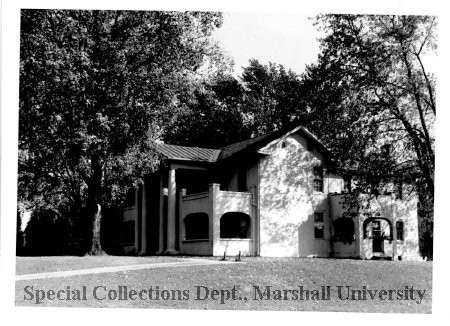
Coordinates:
column 171, row 207
column 161, row 216
column 144, row 220
column 136, row 219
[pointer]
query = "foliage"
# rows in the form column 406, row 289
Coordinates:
column 272, row 100
column 371, row 86
column 212, row 115
column 373, row 101
column 96, row 87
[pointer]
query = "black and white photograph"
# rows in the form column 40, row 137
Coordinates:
column 199, row 159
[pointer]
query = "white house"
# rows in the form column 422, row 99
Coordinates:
column 266, row 196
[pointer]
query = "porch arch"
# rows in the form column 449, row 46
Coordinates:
column 235, row 225
column 374, row 218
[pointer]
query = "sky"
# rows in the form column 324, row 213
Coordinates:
column 287, row 39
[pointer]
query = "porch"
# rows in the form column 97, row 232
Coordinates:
column 216, row 222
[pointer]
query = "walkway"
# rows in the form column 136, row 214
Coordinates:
column 115, row 269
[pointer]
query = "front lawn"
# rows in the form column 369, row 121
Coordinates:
column 181, row 283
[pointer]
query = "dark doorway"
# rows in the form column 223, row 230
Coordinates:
column 377, row 238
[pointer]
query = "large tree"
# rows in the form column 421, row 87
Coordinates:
column 96, row 89
column 271, row 99
column 370, row 89
column 213, row 115
column 372, row 99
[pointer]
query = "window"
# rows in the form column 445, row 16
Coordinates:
column 235, row 225
column 386, row 150
column 398, row 189
column 399, row 226
column 196, row 226
column 318, row 225
column 348, row 183
column 344, row 230
column 376, row 229
column 318, row 178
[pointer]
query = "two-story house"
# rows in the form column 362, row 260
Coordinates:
column 267, row 196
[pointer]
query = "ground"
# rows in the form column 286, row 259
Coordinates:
column 245, row 277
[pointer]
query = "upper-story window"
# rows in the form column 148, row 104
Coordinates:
column 398, row 189
column 348, row 183
column 318, row 178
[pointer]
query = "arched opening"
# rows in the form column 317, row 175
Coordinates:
column 368, row 227
column 344, row 230
column 377, row 229
column 235, row 225
column 196, row 226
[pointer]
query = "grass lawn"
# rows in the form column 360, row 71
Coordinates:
column 278, row 273
column 32, row 265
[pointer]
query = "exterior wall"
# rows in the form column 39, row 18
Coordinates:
column 195, row 203
column 288, row 200
column 215, row 203
column 407, row 212
column 340, row 248
column 388, row 210
column 196, row 247
column 227, row 201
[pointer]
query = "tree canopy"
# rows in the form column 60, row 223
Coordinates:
column 96, row 87
column 372, row 97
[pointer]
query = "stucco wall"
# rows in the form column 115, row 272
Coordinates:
column 383, row 208
column 195, row 203
column 196, row 247
column 224, row 202
column 407, row 212
column 339, row 248
column 288, row 201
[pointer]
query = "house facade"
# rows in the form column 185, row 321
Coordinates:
column 267, row 196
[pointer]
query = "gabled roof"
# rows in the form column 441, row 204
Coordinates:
column 198, row 154
column 245, row 145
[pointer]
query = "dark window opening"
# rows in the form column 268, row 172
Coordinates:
column 318, row 178
column 235, row 225
column 128, row 231
column 344, row 230
column 398, row 189
column 348, row 183
column 399, row 226
column 196, row 226
column 318, row 225
column 386, row 150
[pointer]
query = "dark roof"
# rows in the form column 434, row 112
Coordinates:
column 185, row 153
column 198, row 154
column 235, row 148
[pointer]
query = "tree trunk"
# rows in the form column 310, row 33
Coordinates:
column 96, row 247
column 94, row 207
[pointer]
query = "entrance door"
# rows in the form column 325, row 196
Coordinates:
column 377, row 239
